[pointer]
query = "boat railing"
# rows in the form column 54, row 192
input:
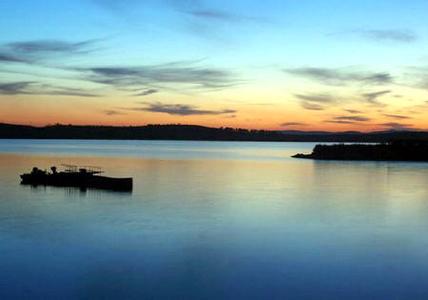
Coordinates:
column 82, row 169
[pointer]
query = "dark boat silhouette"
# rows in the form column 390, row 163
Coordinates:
column 74, row 176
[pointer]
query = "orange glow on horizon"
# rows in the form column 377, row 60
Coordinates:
column 288, row 115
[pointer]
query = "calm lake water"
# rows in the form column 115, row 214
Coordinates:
column 211, row 220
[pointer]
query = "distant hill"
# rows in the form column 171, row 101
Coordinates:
column 194, row 132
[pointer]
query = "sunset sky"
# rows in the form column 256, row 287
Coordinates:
column 289, row 65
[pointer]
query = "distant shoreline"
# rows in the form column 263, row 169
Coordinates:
column 196, row 133
column 399, row 150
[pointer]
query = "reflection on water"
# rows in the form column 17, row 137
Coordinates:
column 73, row 191
column 215, row 226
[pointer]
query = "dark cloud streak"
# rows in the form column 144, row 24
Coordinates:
column 15, row 88
column 9, row 58
column 353, row 111
column 339, row 122
column 37, row 51
column 398, row 117
column 220, row 16
column 311, row 106
column 372, row 98
column 391, row 35
column 214, row 15
column 352, row 118
column 396, row 126
column 315, row 101
column 141, row 76
column 292, row 124
column 319, row 98
column 111, row 112
column 36, row 88
column 147, row 93
column 338, row 77
column 181, row 109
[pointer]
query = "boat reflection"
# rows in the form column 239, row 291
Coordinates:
column 74, row 191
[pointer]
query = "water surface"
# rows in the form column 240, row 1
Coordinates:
column 210, row 220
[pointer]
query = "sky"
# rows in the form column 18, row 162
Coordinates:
column 273, row 64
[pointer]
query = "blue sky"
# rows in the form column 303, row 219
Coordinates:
column 270, row 64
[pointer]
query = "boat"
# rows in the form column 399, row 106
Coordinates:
column 76, row 176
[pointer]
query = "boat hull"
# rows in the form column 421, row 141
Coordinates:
column 77, row 180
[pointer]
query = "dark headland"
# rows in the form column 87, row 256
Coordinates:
column 397, row 150
column 197, row 133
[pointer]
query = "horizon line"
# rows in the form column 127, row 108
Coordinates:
column 222, row 127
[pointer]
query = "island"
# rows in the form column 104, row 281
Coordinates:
column 397, row 150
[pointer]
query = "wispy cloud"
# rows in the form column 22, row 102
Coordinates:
column 220, row 16
column 43, row 46
column 41, row 50
column 389, row 35
column 146, row 92
column 199, row 11
column 397, row 126
column 36, row 88
column 342, row 76
column 352, row 118
column 143, row 80
column 293, row 124
column 10, row 58
column 15, row 88
column 315, row 101
column 353, row 111
column 114, row 4
column 63, row 91
column 398, row 117
column 181, row 109
column 417, row 77
column 112, row 112
column 311, row 106
column 213, row 15
column 184, row 74
column 339, row 122
column 373, row 97
column 320, row 98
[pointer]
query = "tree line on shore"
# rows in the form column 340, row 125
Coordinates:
column 194, row 132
